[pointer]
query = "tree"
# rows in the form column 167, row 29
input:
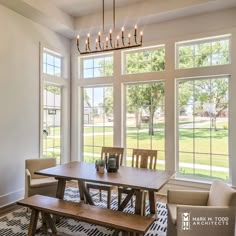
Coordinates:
column 148, row 96
column 215, row 93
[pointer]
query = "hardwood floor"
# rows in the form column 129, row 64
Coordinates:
column 14, row 206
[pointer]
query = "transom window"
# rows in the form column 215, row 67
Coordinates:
column 146, row 60
column 203, row 52
column 52, row 63
column 203, row 127
column 97, row 66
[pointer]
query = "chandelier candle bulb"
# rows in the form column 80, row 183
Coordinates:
column 106, row 42
column 118, row 37
column 129, row 36
column 78, row 40
column 110, row 34
column 141, row 37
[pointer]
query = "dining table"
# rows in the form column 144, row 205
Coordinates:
column 138, row 180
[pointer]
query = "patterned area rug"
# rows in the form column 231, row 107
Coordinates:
column 16, row 223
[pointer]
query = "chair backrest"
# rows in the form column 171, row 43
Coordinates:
column 221, row 194
column 38, row 164
column 106, row 151
column 142, row 158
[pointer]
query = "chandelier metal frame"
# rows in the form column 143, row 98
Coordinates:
column 105, row 44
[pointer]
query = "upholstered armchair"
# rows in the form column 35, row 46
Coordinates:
column 219, row 201
column 39, row 184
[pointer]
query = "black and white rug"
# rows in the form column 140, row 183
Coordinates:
column 16, row 223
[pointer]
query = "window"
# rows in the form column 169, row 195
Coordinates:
column 203, row 52
column 148, row 60
column 98, row 66
column 52, row 122
column 52, row 63
column 98, row 121
column 145, row 119
column 203, row 127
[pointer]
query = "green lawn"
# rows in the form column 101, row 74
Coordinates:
column 206, row 141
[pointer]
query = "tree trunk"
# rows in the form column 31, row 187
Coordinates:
column 151, row 118
column 138, row 119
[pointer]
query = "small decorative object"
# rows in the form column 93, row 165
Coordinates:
column 112, row 163
column 100, row 166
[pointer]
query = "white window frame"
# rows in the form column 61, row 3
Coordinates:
column 149, row 48
column 201, row 41
column 189, row 177
column 64, row 83
column 82, row 113
column 81, row 65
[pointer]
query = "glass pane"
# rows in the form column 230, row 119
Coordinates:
column 145, row 116
column 88, row 73
column 50, row 60
column 186, row 166
column 88, row 63
column 58, row 62
column 206, row 132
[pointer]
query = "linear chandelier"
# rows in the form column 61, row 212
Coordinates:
column 105, row 43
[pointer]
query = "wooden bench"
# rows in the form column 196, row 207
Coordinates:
column 120, row 221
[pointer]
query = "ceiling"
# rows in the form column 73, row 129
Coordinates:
column 72, row 17
column 78, row 8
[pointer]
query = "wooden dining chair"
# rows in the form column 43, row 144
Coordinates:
column 106, row 151
column 141, row 158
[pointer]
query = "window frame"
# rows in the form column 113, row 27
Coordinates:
column 93, row 57
column 195, row 177
column 148, row 48
column 198, row 41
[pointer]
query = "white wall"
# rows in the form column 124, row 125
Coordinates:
column 211, row 24
column 19, row 96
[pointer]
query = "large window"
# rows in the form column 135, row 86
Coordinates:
column 98, row 121
column 97, row 66
column 146, row 60
column 52, row 63
column 52, row 122
column 203, row 52
column 145, row 119
column 203, row 127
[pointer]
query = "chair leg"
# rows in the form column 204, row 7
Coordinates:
column 100, row 195
column 119, row 197
column 132, row 201
column 109, row 199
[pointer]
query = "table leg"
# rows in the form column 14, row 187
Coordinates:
column 33, row 222
column 152, row 202
column 85, row 192
column 122, row 206
column 80, row 193
column 139, row 202
column 61, row 188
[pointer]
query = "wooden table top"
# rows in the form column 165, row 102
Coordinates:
column 126, row 176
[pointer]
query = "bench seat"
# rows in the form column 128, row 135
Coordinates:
column 80, row 211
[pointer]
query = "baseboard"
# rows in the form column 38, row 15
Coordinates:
column 11, row 198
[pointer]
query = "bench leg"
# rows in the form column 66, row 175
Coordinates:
column 33, row 222
column 50, row 223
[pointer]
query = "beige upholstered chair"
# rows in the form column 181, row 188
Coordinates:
column 106, row 151
column 141, row 158
column 39, row 184
column 220, row 200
